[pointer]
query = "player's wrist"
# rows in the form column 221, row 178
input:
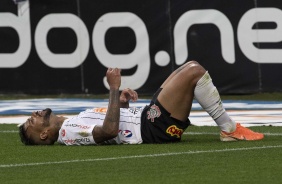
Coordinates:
column 114, row 87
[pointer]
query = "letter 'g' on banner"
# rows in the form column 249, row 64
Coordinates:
column 138, row 57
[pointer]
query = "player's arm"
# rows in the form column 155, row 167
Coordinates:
column 127, row 95
column 110, row 127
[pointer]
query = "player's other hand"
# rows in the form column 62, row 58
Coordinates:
column 127, row 95
column 113, row 78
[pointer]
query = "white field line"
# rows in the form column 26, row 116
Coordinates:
column 185, row 133
column 9, row 131
column 138, row 156
column 211, row 133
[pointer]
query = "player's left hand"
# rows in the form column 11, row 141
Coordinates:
column 114, row 77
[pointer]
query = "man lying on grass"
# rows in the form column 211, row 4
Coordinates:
column 163, row 121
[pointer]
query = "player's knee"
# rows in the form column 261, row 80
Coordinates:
column 195, row 69
column 192, row 62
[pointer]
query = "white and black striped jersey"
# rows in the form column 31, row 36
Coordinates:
column 78, row 129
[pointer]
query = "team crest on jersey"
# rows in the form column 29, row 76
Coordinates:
column 83, row 134
column 174, row 131
column 153, row 113
column 126, row 133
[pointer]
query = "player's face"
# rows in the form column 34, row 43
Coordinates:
column 37, row 122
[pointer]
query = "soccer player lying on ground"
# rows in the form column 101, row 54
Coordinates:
column 163, row 121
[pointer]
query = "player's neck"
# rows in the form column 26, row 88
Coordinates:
column 60, row 120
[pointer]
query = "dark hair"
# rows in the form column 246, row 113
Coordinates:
column 24, row 138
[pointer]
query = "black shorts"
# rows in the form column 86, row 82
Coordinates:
column 157, row 126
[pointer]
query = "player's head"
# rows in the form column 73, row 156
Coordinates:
column 39, row 129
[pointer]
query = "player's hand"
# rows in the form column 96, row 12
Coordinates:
column 114, row 77
column 127, row 95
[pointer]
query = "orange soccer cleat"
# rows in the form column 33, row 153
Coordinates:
column 241, row 133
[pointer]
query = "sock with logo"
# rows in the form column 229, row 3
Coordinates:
column 208, row 97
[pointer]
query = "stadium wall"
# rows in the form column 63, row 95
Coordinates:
column 65, row 46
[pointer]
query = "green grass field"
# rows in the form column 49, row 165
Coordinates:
column 199, row 158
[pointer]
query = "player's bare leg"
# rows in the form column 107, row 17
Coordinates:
column 178, row 90
column 192, row 80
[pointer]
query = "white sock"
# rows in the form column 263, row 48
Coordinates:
column 208, row 97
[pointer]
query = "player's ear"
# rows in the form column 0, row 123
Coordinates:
column 44, row 135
